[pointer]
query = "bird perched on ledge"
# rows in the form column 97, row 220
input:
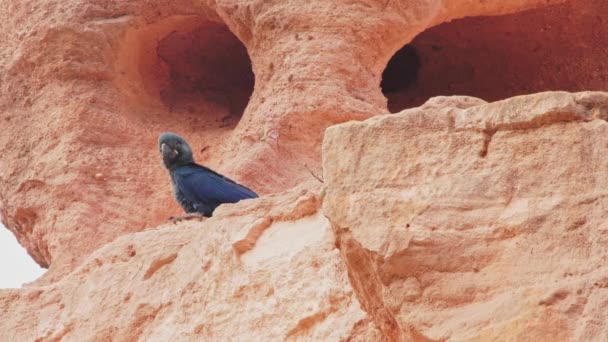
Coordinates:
column 197, row 189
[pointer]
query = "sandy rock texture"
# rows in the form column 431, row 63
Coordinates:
column 87, row 86
column 459, row 220
column 461, row 217
column 224, row 279
column 478, row 222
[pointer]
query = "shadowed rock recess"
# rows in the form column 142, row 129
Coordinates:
column 477, row 212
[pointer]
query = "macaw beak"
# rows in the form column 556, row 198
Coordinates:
column 166, row 150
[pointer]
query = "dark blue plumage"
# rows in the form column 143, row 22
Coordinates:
column 197, row 189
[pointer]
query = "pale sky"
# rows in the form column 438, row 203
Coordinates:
column 16, row 266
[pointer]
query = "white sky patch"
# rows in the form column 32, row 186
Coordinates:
column 16, row 266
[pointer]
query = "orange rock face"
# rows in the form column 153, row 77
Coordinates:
column 460, row 219
column 262, row 270
column 485, row 222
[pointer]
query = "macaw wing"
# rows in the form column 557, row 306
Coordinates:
column 203, row 185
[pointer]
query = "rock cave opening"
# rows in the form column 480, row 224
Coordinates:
column 187, row 66
column 401, row 71
column 205, row 68
column 493, row 58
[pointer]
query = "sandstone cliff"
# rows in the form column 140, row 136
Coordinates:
column 456, row 218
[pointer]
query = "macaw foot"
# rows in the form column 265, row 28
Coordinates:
column 189, row 216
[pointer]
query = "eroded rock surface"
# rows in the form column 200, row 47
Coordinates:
column 223, row 279
column 87, row 86
column 476, row 222
column 460, row 219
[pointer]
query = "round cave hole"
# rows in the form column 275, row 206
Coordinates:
column 557, row 47
column 205, row 69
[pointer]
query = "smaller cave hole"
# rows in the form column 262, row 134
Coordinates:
column 558, row 47
column 206, row 70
